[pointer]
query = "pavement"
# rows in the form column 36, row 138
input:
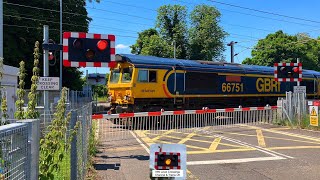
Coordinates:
column 248, row 152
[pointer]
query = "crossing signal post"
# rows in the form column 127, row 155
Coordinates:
column 292, row 72
column 88, row 50
column 168, row 161
column 288, row 72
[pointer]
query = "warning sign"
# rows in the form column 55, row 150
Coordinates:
column 48, row 83
column 314, row 121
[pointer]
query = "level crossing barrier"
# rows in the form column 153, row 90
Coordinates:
column 120, row 126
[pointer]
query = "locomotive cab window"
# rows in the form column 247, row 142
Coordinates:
column 152, row 76
column 147, row 76
column 115, row 75
column 126, row 74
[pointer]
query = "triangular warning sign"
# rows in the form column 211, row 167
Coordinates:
column 313, row 112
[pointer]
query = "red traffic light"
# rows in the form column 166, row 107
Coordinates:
column 51, row 56
column 102, row 45
column 295, row 69
column 90, row 54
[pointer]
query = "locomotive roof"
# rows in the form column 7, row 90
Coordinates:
column 207, row 66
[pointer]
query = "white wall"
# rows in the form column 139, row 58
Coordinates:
column 10, row 82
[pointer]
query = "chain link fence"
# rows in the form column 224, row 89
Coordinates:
column 19, row 158
column 80, row 143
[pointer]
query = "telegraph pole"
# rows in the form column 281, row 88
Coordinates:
column 232, row 51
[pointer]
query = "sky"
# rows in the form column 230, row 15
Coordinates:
column 126, row 18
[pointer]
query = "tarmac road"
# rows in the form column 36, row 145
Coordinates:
column 236, row 152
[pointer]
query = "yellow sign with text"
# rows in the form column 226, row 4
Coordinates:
column 314, row 121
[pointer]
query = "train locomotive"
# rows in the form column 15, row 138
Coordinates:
column 146, row 83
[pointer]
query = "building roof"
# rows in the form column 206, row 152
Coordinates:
column 207, row 66
column 95, row 75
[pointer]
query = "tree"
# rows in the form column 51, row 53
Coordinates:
column 150, row 43
column 206, row 36
column 24, row 21
column 172, row 26
column 281, row 47
column 204, row 40
column 141, row 41
column 156, row 46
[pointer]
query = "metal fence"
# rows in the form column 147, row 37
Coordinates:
column 19, row 150
column 14, row 151
column 80, row 144
column 120, row 126
column 19, row 146
column 294, row 106
column 75, row 99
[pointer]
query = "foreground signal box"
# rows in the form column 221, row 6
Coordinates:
column 88, row 50
column 168, row 160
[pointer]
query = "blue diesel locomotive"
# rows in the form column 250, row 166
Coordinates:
column 146, row 83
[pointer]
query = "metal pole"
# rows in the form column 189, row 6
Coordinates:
column 46, row 65
column 299, row 101
column 1, row 38
column 1, row 26
column 60, row 83
column 298, row 83
column 232, row 50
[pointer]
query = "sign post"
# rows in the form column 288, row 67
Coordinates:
column 313, row 110
column 299, row 89
column 48, row 84
column 168, row 161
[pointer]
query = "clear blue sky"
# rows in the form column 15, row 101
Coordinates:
column 131, row 19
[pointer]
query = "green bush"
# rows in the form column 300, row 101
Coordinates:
column 100, row 90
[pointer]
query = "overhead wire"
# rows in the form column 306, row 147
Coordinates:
column 289, row 43
column 265, row 12
column 56, row 22
column 40, row 28
column 263, row 17
column 58, row 11
column 251, row 38
column 94, row 24
column 129, row 5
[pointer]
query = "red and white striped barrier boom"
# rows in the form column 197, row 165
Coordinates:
column 180, row 112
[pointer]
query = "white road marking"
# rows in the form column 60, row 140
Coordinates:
column 264, row 150
column 261, row 149
column 228, row 161
column 144, row 146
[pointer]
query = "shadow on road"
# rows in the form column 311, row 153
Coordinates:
column 101, row 167
column 138, row 157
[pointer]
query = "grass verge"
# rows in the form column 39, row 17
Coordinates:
column 64, row 172
column 102, row 99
